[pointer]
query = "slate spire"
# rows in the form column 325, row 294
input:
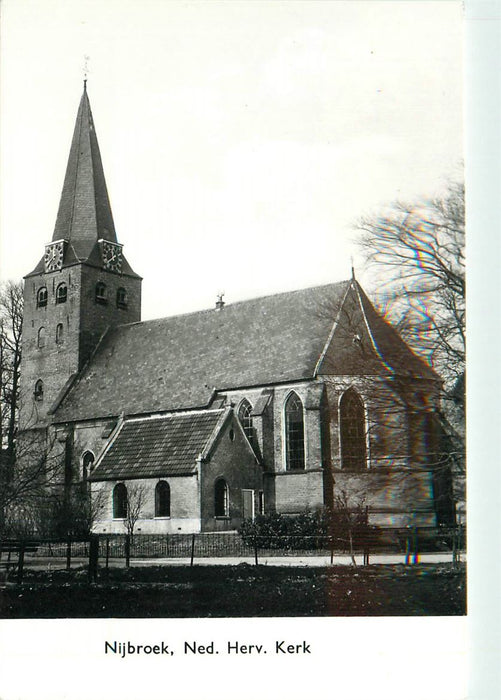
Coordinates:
column 84, row 215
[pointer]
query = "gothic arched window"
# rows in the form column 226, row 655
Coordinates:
column 294, row 432
column 61, row 293
column 101, row 293
column 245, row 418
column 42, row 297
column 41, row 337
column 120, row 501
column 121, row 298
column 221, row 500
column 352, row 430
column 39, row 390
column 87, row 464
column 162, row 500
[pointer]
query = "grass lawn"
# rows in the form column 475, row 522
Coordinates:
column 239, row 591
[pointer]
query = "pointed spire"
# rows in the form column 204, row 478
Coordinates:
column 84, row 214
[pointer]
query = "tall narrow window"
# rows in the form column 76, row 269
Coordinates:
column 59, row 334
column 294, row 432
column 41, row 337
column 87, row 464
column 101, row 293
column 42, row 297
column 245, row 417
column 162, row 500
column 352, row 423
column 61, row 293
column 39, row 390
column 120, row 501
column 221, row 505
column 121, row 298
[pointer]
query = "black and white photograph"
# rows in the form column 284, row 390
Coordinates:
column 233, row 332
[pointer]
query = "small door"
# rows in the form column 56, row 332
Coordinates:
column 247, row 504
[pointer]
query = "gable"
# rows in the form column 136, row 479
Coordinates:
column 362, row 342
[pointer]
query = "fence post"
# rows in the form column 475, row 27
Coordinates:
column 93, row 556
column 255, row 550
column 20, row 562
column 68, row 552
column 192, row 549
column 107, row 551
column 331, row 541
column 415, row 547
column 366, row 549
column 407, row 549
column 127, row 550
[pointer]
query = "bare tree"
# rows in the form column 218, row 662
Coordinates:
column 11, row 323
column 417, row 251
column 136, row 495
column 24, row 494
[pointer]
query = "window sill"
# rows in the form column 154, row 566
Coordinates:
column 161, row 517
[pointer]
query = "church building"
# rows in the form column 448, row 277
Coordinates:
column 282, row 403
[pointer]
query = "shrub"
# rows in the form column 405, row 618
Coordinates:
column 341, row 526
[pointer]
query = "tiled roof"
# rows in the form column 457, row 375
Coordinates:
column 167, row 446
column 390, row 345
column 177, row 363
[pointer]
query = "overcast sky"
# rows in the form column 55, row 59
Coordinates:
column 240, row 140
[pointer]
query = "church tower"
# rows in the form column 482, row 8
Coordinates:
column 82, row 286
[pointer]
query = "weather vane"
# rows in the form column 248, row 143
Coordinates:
column 86, row 69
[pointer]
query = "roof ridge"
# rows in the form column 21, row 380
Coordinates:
column 235, row 303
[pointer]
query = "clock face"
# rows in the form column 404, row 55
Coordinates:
column 53, row 258
column 112, row 256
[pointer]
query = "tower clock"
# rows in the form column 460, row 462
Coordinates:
column 54, row 256
column 112, row 256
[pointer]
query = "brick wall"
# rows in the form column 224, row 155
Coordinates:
column 83, row 322
column 184, row 506
column 233, row 461
column 297, row 492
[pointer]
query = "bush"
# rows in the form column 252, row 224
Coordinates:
column 341, row 527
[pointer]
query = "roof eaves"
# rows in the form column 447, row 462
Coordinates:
column 109, row 444
column 387, row 366
column 331, row 334
column 205, row 452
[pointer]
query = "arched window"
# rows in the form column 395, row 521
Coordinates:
column 162, row 500
column 120, row 501
column 221, row 501
column 245, row 417
column 61, row 293
column 41, row 337
column 101, row 293
column 352, row 429
column 42, row 297
column 87, row 464
column 39, row 390
column 294, row 432
column 121, row 298
column 59, row 334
